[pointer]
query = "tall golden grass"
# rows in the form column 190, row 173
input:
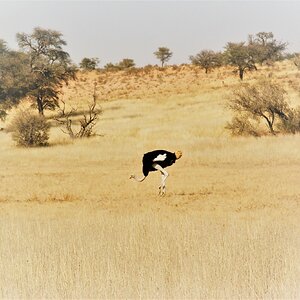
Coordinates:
column 72, row 224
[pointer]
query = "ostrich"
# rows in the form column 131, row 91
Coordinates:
column 157, row 160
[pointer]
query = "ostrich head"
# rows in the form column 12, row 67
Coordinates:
column 178, row 154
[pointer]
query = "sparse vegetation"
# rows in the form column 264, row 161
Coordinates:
column 72, row 225
column 233, row 204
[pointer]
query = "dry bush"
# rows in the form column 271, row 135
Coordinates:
column 241, row 126
column 87, row 121
column 291, row 124
column 29, row 129
column 296, row 61
column 261, row 101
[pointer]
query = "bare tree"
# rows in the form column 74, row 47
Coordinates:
column 87, row 121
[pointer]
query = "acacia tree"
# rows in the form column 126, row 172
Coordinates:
column 89, row 64
column 163, row 54
column 207, row 59
column 240, row 56
column 50, row 66
column 266, row 47
column 126, row 63
column 260, row 101
column 14, row 78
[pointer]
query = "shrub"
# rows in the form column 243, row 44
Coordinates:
column 30, row 130
column 263, row 101
column 126, row 63
column 241, row 126
column 111, row 67
column 296, row 61
column 87, row 121
column 291, row 124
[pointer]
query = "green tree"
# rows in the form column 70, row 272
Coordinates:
column 163, row 54
column 14, row 77
column 89, row 64
column 50, row 66
column 207, row 59
column 240, row 56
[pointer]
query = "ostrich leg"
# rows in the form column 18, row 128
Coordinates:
column 164, row 175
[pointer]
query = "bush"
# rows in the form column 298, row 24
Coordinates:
column 241, row 126
column 30, row 130
column 291, row 124
column 296, row 61
column 263, row 101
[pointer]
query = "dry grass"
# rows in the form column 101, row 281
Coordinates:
column 72, row 225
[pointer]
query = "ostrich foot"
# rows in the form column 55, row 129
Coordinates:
column 162, row 191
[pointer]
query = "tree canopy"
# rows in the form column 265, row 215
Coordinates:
column 163, row 54
column 49, row 65
column 89, row 64
column 14, row 77
column 267, row 49
column 263, row 100
column 240, row 56
column 207, row 59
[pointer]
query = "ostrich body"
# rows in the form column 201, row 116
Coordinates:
column 158, row 160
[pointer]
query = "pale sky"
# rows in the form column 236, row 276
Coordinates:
column 113, row 30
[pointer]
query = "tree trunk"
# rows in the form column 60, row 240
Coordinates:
column 241, row 73
column 39, row 101
column 270, row 124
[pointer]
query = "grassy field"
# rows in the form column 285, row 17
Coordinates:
column 72, row 224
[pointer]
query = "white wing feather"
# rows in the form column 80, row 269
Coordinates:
column 160, row 157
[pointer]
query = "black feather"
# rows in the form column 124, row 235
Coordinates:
column 148, row 160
